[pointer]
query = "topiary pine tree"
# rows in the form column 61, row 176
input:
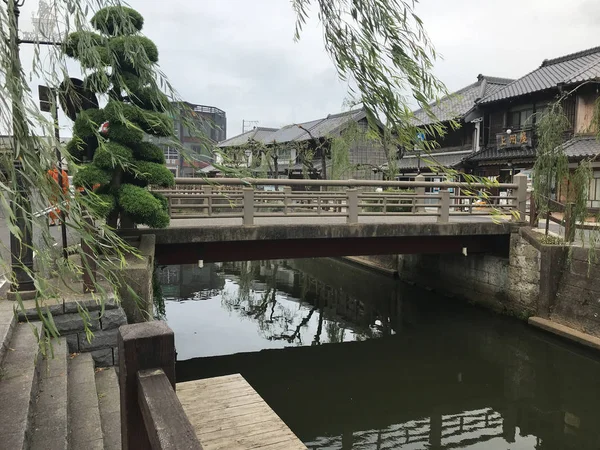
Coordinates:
column 119, row 162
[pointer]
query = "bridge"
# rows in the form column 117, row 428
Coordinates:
column 227, row 219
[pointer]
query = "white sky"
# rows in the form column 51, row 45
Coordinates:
column 240, row 56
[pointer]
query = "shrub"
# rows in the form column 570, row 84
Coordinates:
column 116, row 20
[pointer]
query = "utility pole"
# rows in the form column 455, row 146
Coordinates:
column 21, row 248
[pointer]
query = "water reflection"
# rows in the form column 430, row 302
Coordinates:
column 440, row 375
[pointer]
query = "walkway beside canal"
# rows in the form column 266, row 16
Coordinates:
column 226, row 412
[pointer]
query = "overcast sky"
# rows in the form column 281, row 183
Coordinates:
column 240, row 56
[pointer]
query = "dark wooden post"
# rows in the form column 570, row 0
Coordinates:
column 88, row 259
column 532, row 212
column 142, row 346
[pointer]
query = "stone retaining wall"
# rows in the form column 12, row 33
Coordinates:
column 103, row 345
column 577, row 302
column 506, row 284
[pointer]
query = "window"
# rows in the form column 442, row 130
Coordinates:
column 522, row 118
column 284, row 154
column 171, row 154
column 594, row 191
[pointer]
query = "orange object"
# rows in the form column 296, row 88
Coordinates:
column 54, row 214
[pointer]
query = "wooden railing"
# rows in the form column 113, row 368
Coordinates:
column 152, row 417
column 195, row 198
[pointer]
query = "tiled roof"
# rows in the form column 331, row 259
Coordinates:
column 259, row 134
column 574, row 68
column 459, row 103
column 324, row 127
column 582, row 147
column 494, row 154
column 412, row 162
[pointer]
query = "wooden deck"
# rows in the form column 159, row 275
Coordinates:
column 227, row 413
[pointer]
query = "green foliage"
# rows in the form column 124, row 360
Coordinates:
column 147, row 151
column 155, row 174
column 149, row 98
column 128, row 135
column 142, row 206
column 121, row 113
column 98, row 81
column 551, row 166
column 383, row 47
column 127, row 50
column 163, row 200
column 87, row 123
column 76, row 148
column 116, row 20
column 91, row 175
column 102, row 204
column 80, row 40
column 155, row 123
column 111, row 155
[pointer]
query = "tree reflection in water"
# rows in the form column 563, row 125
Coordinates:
column 283, row 301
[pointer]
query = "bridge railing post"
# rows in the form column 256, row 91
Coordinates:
column 521, row 181
column 352, row 205
column 248, row 206
column 287, row 199
column 444, row 210
column 419, row 192
column 207, row 190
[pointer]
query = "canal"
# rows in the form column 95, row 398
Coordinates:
column 351, row 359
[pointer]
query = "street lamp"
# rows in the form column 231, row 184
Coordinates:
column 22, row 283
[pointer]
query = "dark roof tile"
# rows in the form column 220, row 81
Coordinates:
column 574, row 68
column 459, row 103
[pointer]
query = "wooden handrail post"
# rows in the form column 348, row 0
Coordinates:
column 149, row 345
column 420, row 192
column 248, row 206
column 167, row 425
column 352, row 205
column 444, row 211
column 521, row 181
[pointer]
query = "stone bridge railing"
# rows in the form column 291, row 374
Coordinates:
column 249, row 198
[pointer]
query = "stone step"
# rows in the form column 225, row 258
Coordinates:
column 107, row 386
column 19, row 386
column 7, row 324
column 85, row 430
column 49, row 429
column 69, row 305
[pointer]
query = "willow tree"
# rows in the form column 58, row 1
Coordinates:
column 551, row 172
column 120, row 161
column 381, row 46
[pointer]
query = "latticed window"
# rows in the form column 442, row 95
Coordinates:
column 171, row 154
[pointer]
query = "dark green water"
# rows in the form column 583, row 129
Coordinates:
column 350, row 359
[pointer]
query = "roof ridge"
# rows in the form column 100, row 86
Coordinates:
column 498, row 80
column 345, row 113
column 570, row 56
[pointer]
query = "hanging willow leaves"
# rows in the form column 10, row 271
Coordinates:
column 29, row 190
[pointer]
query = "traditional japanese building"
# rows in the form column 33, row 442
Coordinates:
column 450, row 149
column 508, row 140
column 291, row 144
